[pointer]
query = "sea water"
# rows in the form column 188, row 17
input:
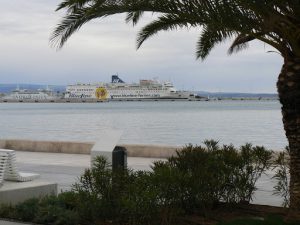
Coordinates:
column 163, row 122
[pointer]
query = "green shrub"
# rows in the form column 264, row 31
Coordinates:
column 7, row 211
column 209, row 174
column 254, row 162
column 27, row 210
column 282, row 175
column 54, row 210
column 139, row 202
column 122, row 196
column 57, row 210
column 95, row 196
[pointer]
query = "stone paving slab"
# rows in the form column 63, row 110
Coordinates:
column 4, row 222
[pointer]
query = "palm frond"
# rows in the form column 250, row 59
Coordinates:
column 79, row 15
column 209, row 38
column 134, row 17
column 68, row 26
column 166, row 22
column 71, row 4
column 273, row 18
column 240, row 43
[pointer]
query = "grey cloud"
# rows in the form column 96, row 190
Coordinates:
column 107, row 46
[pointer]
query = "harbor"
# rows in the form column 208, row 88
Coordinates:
column 91, row 100
column 105, row 123
column 116, row 90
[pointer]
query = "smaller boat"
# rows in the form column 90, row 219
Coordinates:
column 25, row 94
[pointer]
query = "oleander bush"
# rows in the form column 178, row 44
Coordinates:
column 196, row 178
column 7, row 211
column 47, row 210
column 125, row 196
column 210, row 174
column 282, row 176
column 122, row 196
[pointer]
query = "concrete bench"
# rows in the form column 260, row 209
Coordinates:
column 9, row 170
column 105, row 145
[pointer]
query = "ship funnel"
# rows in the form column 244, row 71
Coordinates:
column 116, row 79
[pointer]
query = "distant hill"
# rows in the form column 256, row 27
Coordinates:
column 236, row 95
column 7, row 88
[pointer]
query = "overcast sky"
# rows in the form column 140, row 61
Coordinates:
column 105, row 47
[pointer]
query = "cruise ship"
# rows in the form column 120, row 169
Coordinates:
column 29, row 95
column 119, row 90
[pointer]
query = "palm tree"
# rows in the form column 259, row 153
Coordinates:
column 274, row 22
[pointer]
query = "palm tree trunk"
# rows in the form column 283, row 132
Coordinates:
column 288, row 86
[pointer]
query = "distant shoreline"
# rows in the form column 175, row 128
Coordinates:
column 91, row 100
column 132, row 100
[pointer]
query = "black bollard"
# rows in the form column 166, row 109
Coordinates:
column 119, row 158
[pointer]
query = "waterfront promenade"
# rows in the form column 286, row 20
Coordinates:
column 4, row 222
column 65, row 169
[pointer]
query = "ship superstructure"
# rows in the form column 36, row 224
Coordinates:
column 118, row 89
column 24, row 94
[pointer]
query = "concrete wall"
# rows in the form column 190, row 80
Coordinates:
column 2, row 143
column 48, row 146
column 16, row 192
column 148, row 151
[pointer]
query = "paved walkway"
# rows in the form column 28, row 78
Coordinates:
column 65, row 169
column 2, row 222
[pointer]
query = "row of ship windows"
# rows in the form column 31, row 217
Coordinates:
column 131, row 95
column 121, row 90
column 81, row 89
column 30, row 97
column 135, row 91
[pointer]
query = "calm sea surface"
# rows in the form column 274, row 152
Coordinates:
column 170, row 123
